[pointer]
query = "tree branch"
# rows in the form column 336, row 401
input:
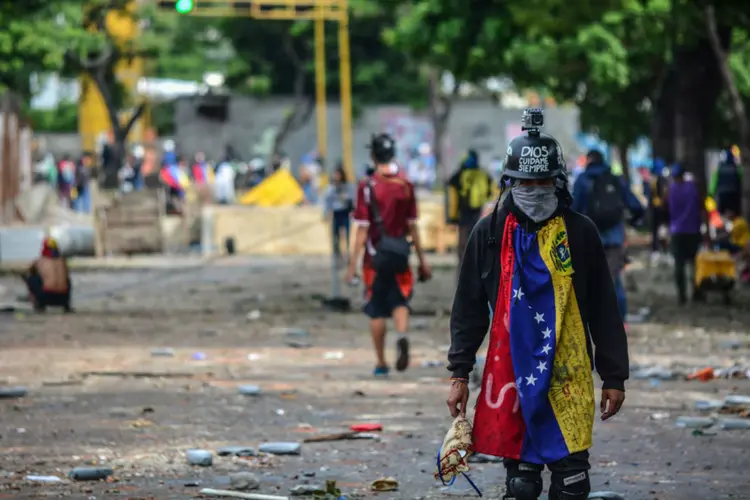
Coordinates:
column 738, row 106
column 133, row 119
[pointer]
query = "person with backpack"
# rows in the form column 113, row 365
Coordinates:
column 386, row 216
column 553, row 317
column 468, row 191
column 726, row 183
column 605, row 198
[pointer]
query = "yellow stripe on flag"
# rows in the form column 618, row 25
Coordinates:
column 571, row 392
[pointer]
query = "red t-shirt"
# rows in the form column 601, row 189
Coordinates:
column 396, row 203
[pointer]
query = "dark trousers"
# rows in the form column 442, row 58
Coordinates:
column 570, row 477
column 43, row 299
column 684, row 249
column 340, row 224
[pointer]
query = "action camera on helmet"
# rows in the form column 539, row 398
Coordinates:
column 532, row 121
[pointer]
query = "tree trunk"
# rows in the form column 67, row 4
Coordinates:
column 698, row 88
column 662, row 123
column 738, row 105
column 440, row 111
column 119, row 131
column 622, row 154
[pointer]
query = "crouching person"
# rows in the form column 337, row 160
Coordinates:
column 48, row 279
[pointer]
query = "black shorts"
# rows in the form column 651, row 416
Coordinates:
column 385, row 294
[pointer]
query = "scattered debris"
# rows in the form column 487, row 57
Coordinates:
column 281, row 448
column 162, row 352
column 137, row 374
column 202, row 458
column 291, row 332
column 236, row 451
column 662, row 415
column 334, row 355
column 249, row 390
column 695, row 422
column 341, row 436
column 254, row 356
column 704, row 374
column 254, row 315
column 384, row 484
column 732, row 424
column 302, row 490
column 298, row 344
column 199, row 356
column 12, row 392
column 90, row 473
column 243, row 481
column 708, row 405
column 44, row 479
column 431, row 363
column 236, row 494
column 366, row 427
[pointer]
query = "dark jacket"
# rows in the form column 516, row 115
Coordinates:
column 478, row 286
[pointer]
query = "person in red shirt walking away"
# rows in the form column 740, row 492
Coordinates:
column 386, row 218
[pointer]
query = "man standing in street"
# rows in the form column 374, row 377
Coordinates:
column 542, row 269
column 604, row 198
column 468, row 190
column 386, row 216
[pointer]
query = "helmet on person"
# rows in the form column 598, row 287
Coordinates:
column 382, row 148
column 534, row 156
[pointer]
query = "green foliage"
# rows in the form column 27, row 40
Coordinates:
column 63, row 119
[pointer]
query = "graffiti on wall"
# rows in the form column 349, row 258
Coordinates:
column 408, row 130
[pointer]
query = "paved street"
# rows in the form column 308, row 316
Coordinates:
column 100, row 394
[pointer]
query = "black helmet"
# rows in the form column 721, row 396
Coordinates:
column 383, row 148
column 533, row 156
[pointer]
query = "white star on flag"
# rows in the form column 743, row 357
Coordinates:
column 542, row 366
column 546, row 349
column 518, row 294
column 531, row 380
column 539, row 317
column 547, row 333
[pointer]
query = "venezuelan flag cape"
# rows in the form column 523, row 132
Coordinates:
column 537, row 399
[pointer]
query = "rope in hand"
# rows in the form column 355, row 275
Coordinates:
column 453, row 479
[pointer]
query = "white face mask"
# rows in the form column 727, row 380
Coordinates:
column 538, row 203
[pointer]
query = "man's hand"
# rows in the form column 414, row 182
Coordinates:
column 351, row 271
column 612, row 400
column 458, row 398
column 424, row 272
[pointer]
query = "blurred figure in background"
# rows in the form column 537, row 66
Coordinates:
column 605, row 199
column 224, row 190
column 338, row 204
column 307, row 181
column 48, row 279
column 128, row 175
column 468, row 191
column 685, row 205
column 726, row 183
column 82, row 201
column 658, row 210
column 66, row 172
column 203, row 177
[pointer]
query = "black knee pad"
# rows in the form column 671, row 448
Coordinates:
column 571, row 485
column 523, row 482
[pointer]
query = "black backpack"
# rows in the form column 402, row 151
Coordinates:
column 392, row 252
column 606, row 201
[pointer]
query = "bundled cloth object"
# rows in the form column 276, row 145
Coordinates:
column 456, row 449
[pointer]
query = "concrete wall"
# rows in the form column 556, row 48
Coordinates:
column 252, row 123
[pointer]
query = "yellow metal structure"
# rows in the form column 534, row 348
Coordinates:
column 280, row 189
column 320, row 86
column 298, row 10
column 93, row 119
